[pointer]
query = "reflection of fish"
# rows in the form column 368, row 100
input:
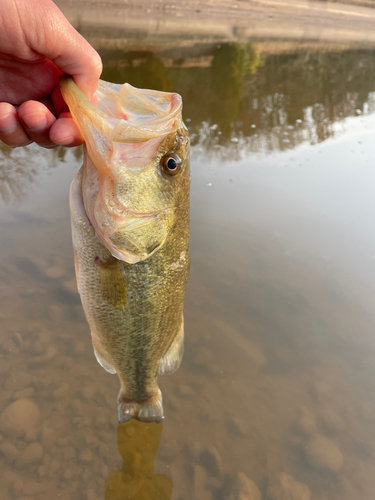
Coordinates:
column 130, row 223
column 138, row 444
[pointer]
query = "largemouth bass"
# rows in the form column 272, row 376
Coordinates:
column 130, row 224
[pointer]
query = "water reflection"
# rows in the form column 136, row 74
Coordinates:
column 16, row 173
column 237, row 99
column 136, row 480
column 19, row 168
column 276, row 388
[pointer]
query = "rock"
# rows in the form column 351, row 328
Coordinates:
column 50, row 352
column 9, row 451
column 33, row 453
column 79, row 347
column 166, row 451
column 56, row 313
column 203, row 357
column 56, row 271
column 256, row 354
column 185, row 391
column 69, row 453
column 237, row 426
column 332, row 421
column 18, row 417
column 25, row 393
column 211, row 460
column 68, row 474
column 17, row 382
column 244, row 488
column 91, row 495
column 4, row 496
column 31, row 434
column 322, row 453
column 33, row 487
column 49, row 437
column 86, row 456
column 70, row 286
column 4, row 367
column 11, row 478
column 306, row 422
column 9, row 346
column 285, row 487
column 61, row 391
column 321, row 390
column 54, row 466
column 193, row 450
column 199, row 481
column 42, row 470
column 213, row 483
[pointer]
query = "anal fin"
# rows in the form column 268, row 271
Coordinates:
column 173, row 357
column 103, row 362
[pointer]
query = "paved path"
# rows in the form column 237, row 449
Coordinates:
column 224, row 20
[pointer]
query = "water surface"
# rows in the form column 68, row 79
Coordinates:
column 278, row 372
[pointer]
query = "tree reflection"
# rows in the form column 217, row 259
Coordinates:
column 19, row 168
column 237, row 101
column 138, row 443
column 16, row 173
column 230, row 64
column 142, row 69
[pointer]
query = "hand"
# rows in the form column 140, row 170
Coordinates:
column 37, row 45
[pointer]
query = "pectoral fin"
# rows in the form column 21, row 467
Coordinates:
column 173, row 357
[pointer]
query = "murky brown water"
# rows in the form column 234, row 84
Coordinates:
column 277, row 382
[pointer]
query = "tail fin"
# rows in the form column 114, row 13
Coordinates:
column 151, row 411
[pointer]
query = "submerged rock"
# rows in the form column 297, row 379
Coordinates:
column 244, row 488
column 17, row 382
column 237, row 426
column 306, row 422
column 199, row 483
column 33, row 453
column 332, row 421
column 322, row 453
column 284, row 487
column 185, row 391
column 9, row 451
column 18, row 417
column 211, row 460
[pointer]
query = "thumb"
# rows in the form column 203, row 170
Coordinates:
column 55, row 38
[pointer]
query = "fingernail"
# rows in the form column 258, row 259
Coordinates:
column 8, row 123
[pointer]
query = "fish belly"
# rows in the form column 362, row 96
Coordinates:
column 135, row 311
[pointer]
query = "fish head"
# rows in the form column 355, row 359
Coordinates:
column 137, row 171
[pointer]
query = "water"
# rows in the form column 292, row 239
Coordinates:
column 279, row 310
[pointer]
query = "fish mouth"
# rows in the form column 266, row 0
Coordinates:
column 124, row 113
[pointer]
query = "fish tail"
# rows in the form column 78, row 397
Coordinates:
column 146, row 411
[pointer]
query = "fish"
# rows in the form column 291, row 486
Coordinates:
column 129, row 206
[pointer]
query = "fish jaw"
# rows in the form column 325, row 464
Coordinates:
column 130, row 235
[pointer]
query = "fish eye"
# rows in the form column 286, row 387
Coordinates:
column 171, row 164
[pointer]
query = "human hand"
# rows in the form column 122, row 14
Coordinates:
column 37, row 46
